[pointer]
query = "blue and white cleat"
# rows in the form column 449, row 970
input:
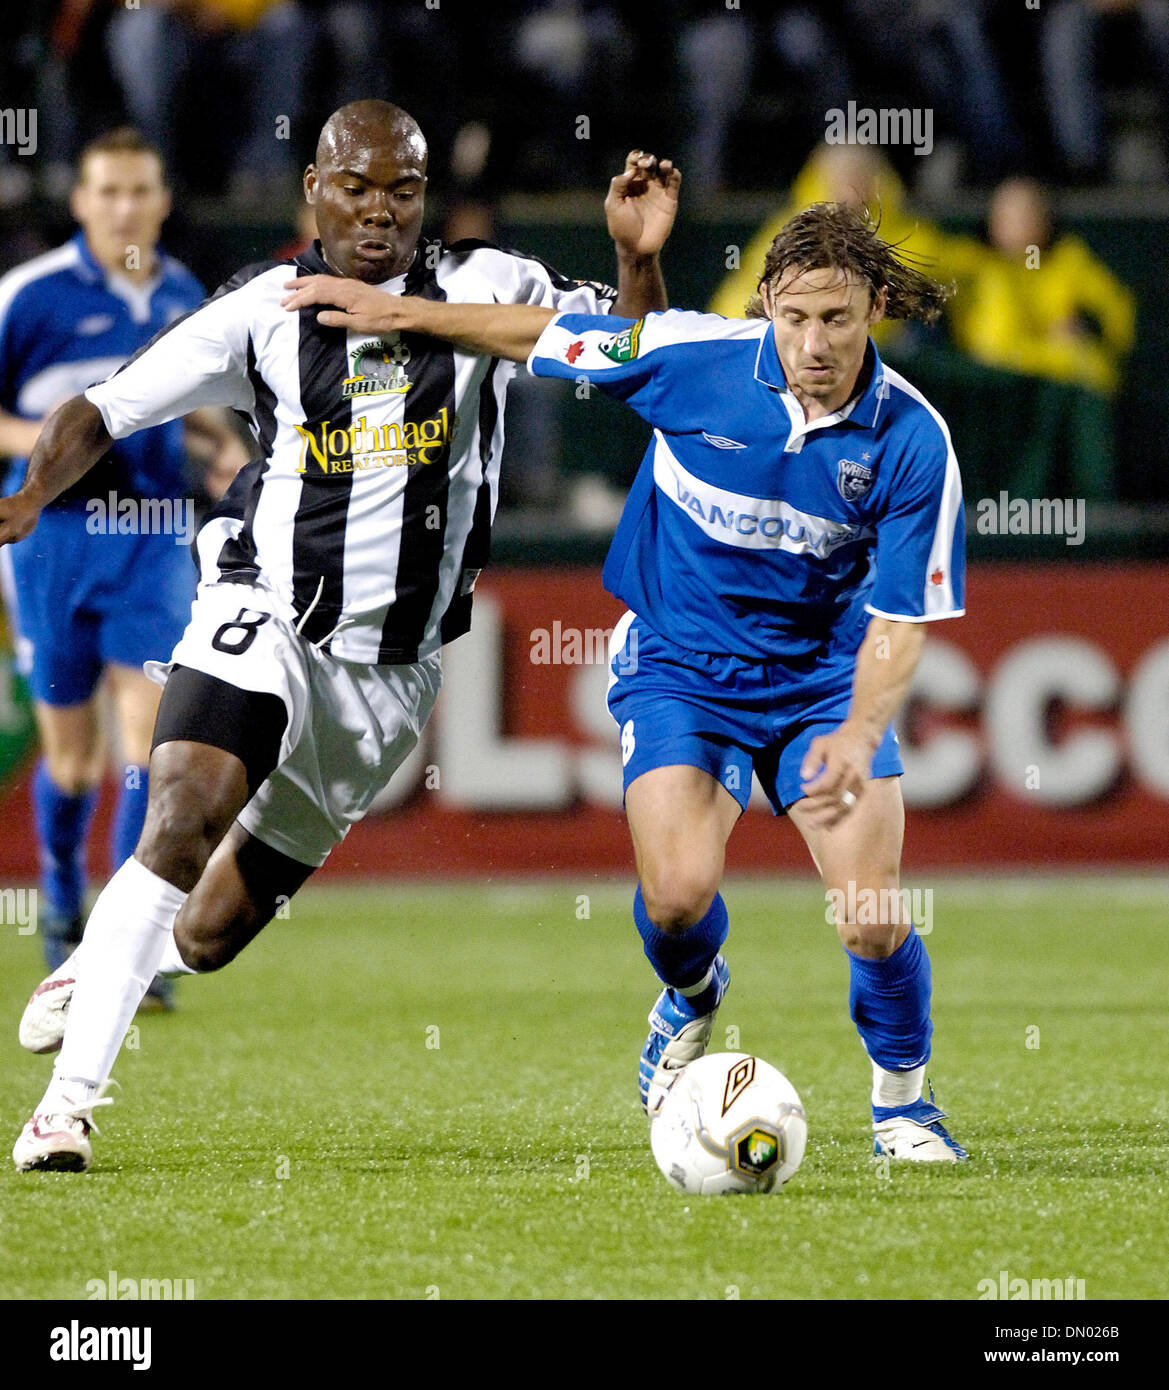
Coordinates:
column 678, row 1034
column 914, row 1132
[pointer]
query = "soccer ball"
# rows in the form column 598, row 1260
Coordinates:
column 729, row 1122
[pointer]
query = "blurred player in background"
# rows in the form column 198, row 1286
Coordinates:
column 1041, row 302
column 342, row 562
column 861, row 177
column 796, row 524
column 91, row 594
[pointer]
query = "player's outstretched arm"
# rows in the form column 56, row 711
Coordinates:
column 491, row 330
column 640, row 210
column 74, row 437
column 838, row 764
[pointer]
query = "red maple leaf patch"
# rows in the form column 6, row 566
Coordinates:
column 937, row 576
column 574, row 351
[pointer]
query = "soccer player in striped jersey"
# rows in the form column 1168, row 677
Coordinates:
column 343, row 561
column 795, row 527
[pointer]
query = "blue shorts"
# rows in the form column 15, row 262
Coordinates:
column 80, row 601
column 728, row 716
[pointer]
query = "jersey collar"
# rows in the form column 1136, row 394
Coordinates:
column 312, row 260
column 862, row 410
column 92, row 270
column 88, row 266
column 137, row 298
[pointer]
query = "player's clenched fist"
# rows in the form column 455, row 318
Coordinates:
column 18, row 516
column 834, row 772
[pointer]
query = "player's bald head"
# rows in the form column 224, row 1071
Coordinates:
column 367, row 189
column 370, row 125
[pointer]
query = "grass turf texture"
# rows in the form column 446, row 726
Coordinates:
column 410, row 1092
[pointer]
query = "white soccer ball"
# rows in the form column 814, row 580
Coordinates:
column 729, row 1122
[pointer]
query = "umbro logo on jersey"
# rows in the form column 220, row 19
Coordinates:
column 720, row 441
column 93, row 324
column 853, row 479
column 378, row 369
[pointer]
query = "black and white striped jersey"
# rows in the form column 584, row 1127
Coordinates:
column 369, row 513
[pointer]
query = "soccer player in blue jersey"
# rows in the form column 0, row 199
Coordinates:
column 795, row 526
column 104, row 584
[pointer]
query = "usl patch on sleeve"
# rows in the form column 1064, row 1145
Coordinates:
column 622, row 347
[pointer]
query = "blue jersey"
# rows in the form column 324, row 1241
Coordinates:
column 66, row 325
column 748, row 530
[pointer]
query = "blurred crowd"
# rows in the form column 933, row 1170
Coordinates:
column 546, row 95
column 540, row 94
column 1032, row 302
column 1030, row 298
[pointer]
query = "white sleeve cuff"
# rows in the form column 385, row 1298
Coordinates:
column 914, row 617
column 95, row 396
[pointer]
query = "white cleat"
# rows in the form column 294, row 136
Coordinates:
column 57, row 1141
column 42, row 1025
column 915, row 1132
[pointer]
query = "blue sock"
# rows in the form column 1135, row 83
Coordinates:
column 62, row 822
column 889, row 1001
column 130, row 814
column 682, row 958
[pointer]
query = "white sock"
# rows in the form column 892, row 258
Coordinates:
column 69, row 964
column 125, row 937
column 897, row 1087
column 172, row 963
column 689, row 991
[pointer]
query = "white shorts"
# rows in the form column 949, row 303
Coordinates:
column 350, row 727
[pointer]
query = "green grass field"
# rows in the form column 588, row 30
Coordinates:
column 406, row 1092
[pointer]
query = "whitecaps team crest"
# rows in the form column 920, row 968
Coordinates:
column 853, row 479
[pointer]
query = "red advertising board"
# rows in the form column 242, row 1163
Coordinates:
column 1037, row 734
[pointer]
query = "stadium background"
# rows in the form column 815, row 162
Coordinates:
column 1037, row 732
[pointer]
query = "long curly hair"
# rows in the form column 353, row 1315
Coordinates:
column 838, row 236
